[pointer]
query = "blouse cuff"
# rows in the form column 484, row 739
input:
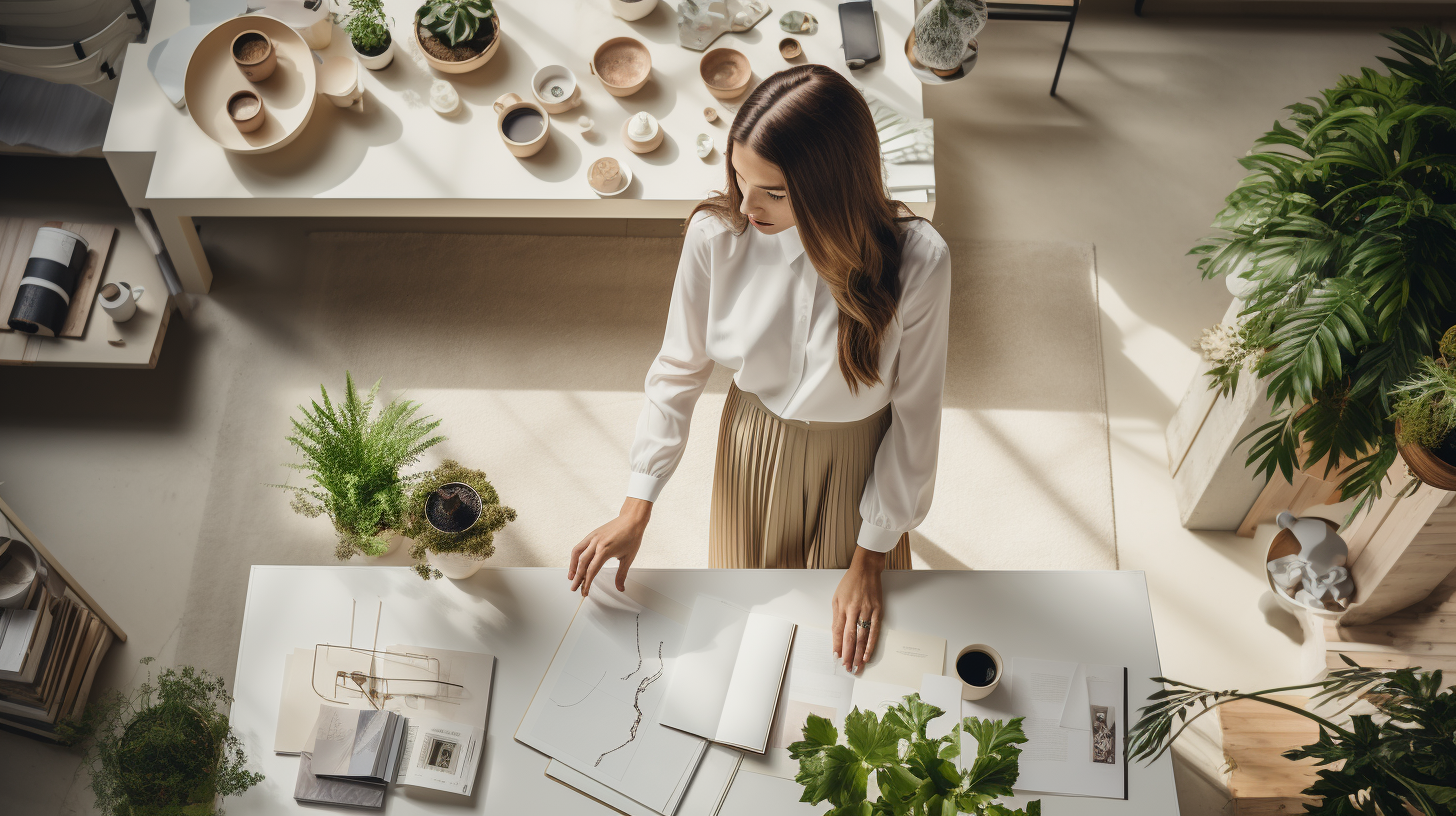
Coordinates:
column 875, row 538
column 645, row 487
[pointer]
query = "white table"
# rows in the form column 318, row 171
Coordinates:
column 520, row 615
column 400, row 158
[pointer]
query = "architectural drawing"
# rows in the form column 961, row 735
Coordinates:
column 637, row 698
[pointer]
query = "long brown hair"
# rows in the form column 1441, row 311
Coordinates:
column 810, row 122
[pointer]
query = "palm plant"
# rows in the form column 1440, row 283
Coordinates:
column 353, row 461
column 455, row 21
column 1406, row 760
column 1346, row 231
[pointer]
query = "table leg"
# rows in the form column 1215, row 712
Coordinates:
column 179, row 234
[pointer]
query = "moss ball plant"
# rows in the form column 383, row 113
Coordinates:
column 477, row 540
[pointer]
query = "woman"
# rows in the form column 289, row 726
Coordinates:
column 833, row 310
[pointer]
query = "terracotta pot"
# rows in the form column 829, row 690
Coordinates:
column 260, row 63
column 1427, row 466
column 463, row 66
column 622, row 64
column 455, row 566
column 726, row 72
column 246, row 111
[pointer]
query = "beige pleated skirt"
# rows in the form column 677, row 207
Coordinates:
column 786, row 493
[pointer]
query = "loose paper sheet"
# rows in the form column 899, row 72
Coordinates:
column 704, row 795
column 440, row 755
column 1074, row 713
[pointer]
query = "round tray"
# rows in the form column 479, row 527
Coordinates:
column 288, row 95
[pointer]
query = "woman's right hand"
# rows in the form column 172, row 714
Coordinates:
column 619, row 538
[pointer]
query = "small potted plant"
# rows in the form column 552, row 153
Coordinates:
column 454, row 514
column 944, row 32
column 167, row 749
column 353, row 461
column 1425, row 416
column 915, row 774
column 369, row 33
column 457, row 35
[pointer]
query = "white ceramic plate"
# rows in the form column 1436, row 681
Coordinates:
column 288, row 95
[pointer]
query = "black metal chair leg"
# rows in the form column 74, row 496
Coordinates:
column 1137, row 8
column 1067, row 41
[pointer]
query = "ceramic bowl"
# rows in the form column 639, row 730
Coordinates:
column 726, row 72
column 556, row 89
column 623, row 170
column 789, row 48
column 1285, row 543
column 504, row 106
column 256, row 62
column 623, row 64
column 246, row 111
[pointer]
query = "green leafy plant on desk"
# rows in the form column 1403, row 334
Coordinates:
column 1404, row 756
column 367, row 26
column 353, row 461
column 455, row 21
column 916, row 775
column 476, row 541
column 166, row 750
column 1344, row 232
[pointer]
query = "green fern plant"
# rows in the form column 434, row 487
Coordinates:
column 1346, row 230
column 1425, row 405
column 367, row 26
column 455, row 21
column 353, row 461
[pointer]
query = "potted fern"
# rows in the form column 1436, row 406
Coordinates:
column 167, row 750
column 454, row 514
column 1341, row 239
column 369, row 33
column 456, row 36
column 1400, row 760
column 353, row 460
column 1425, row 416
column 916, row 775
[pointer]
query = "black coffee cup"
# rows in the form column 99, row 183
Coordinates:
column 979, row 668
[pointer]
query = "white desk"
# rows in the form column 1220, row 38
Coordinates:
column 400, row 158
column 519, row 615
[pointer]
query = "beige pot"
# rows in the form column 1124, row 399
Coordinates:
column 508, row 104
column 257, row 62
column 245, row 109
column 726, row 72
column 463, row 66
column 455, row 566
column 623, row 64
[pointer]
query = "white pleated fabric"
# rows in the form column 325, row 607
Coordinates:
column 786, row 493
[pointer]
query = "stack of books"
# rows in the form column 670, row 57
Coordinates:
column 51, row 644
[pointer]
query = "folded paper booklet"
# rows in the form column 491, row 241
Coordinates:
column 356, row 746
column 726, row 683
column 440, row 755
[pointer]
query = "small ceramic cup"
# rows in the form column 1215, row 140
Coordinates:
column 556, row 89
column 528, row 122
column 608, row 177
column 119, row 299
column 979, row 668
column 642, row 133
column 789, row 48
column 255, row 55
column 245, row 109
column 338, row 79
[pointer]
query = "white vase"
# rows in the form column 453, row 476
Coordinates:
column 378, row 61
column 455, row 566
column 633, row 9
column 394, row 544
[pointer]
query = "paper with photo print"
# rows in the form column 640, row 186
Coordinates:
column 440, row 755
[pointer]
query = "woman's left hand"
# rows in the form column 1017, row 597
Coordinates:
column 858, row 598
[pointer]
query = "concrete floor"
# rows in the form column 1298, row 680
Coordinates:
column 1134, row 156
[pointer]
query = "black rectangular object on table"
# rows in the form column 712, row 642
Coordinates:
column 43, row 299
column 859, row 33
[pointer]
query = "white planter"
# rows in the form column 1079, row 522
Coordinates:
column 455, row 566
column 394, row 544
column 633, row 9
column 377, row 61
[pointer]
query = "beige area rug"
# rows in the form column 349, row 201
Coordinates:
column 532, row 349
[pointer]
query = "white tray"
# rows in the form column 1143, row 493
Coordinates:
column 288, row 95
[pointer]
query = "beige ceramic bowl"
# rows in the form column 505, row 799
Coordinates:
column 726, row 72
column 255, row 55
column 246, row 110
column 288, row 95
column 623, row 64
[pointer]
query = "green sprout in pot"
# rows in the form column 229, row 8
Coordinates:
column 454, row 509
column 917, row 775
column 367, row 26
column 455, row 21
column 1425, row 417
column 353, row 461
column 167, row 750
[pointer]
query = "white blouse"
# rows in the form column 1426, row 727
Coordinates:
column 754, row 303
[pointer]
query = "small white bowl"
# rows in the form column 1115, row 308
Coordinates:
column 626, row 175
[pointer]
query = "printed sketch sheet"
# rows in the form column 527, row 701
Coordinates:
column 596, row 709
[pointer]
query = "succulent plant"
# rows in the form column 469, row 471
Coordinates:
column 455, row 21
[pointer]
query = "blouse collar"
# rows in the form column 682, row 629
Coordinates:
column 790, row 244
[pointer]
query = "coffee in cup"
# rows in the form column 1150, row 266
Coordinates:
column 979, row 668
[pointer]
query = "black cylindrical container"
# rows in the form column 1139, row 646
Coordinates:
column 44, row 297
